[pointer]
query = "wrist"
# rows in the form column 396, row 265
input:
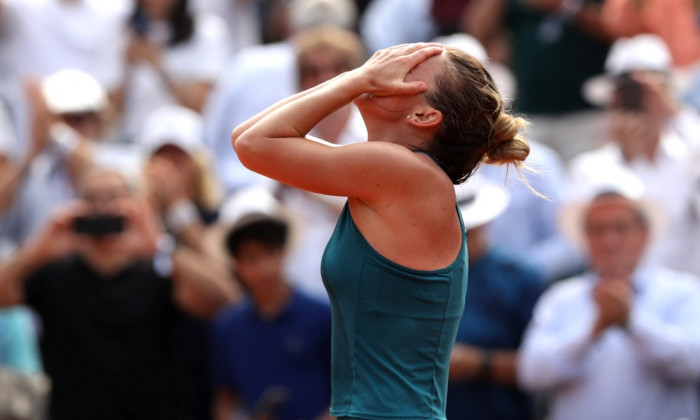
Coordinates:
column 163, row 258
column 65, row 139
column 180, row 215
column 485, row 366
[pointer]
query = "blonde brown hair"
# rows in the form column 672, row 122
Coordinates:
column 476, row 125
column 331, row 38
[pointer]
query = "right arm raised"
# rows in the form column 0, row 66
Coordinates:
column 273, row 143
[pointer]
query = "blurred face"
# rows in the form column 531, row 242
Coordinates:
column 105, row 193
column 158, row 9
column 317, row 66
column 616, row 237
column 259, row 266
column 175, row 155
column 88, row 124
column 398, row 105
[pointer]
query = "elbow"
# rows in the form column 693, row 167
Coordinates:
column 243, row 146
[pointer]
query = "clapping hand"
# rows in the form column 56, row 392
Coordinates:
column 612, row 297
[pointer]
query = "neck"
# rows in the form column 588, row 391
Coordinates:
column 271, row 302
column 106, row 262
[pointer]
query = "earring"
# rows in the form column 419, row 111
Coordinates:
column 408, row 117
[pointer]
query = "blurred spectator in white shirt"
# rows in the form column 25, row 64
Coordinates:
column 653, row 139
column 621, row 341
column 259, row 76
column 172, row 57
column 41, row 37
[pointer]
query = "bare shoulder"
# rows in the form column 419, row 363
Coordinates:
column 417, row 224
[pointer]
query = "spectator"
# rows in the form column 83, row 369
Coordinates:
column 172, row 57
column 272, row 352
column 42, row 37
column 675, row 21
column 109, row 295
column 181, row 181
column 654, row 139
column 68, row 129
column 184, row 192
column 621, row 341
column 502, row 291
column 554, row 47
column 259, row 76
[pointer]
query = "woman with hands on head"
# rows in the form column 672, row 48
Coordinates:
column 396, row 266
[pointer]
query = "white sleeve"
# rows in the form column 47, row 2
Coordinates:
column 211, row 46
column 669, row 341
column 8, row 137
column 390, row 22
column 554, row 350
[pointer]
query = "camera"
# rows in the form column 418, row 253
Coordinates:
column 99, row 225
column 630, row 93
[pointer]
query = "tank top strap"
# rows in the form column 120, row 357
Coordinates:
column 429, row 155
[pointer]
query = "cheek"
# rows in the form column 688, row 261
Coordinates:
column 393, row 103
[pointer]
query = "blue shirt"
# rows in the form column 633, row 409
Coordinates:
column 253, row 356
column 503, row 291
column 393, row 328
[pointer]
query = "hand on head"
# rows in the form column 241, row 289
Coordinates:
column 387, row 68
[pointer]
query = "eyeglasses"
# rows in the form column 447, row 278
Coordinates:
column 80, row 118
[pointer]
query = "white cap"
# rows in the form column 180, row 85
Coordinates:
column 307, row 13
column 249, row 205
column 73, row 91
column 642, row 52
column 480, row 201
column 618, row 181
column 172, row 125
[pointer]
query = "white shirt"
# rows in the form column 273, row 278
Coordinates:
column 252, row 80
column 667, row 181
column 40, row 37
column 648, row 371
column 390, row 22
column 199, row 59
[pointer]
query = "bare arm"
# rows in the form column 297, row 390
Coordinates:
column 484, row 19
column 202, row 285
column 273, row 143
column 54, row 241
column 473, row 363
column 226, row 403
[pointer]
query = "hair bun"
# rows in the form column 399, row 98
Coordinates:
column 507, row 144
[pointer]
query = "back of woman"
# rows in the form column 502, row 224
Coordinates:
column 396, row 267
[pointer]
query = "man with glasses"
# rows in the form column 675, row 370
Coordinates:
column 110, row 290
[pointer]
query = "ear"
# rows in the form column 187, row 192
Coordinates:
column 425, row 118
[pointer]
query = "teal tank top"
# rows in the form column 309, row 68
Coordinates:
column 393, row 328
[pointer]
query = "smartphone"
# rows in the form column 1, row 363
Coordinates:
column 99, row 225
column 630, row 94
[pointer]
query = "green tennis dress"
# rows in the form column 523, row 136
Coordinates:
column 393, row 328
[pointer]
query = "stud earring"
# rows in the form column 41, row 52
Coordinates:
column 408, row 117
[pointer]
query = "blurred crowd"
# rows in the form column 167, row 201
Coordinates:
column 145, row 273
